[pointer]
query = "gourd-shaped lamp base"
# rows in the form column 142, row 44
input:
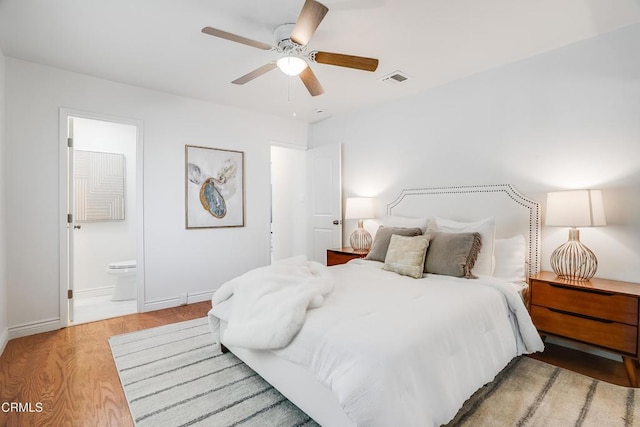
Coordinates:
column 573, row 260
column 360, row 239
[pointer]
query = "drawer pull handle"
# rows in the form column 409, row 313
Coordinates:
column 584, row 316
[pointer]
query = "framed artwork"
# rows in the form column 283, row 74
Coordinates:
column 214, row 187
column 99, row 186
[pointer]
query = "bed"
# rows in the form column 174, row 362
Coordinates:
column 383, row 348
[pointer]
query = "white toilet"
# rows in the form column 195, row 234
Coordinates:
column 125, row 278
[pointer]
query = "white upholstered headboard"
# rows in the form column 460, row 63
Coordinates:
column 514, row 213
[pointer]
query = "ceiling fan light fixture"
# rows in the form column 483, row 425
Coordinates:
column 291, row 65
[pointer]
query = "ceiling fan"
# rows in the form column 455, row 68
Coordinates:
column 291, row 44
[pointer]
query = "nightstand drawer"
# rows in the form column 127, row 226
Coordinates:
column 616, row 307
column 612, row 335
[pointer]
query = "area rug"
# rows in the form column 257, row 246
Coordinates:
column 529, row 392
column 175, row 375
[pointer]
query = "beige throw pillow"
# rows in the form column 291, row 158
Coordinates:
column 380, row 245
column 406, row 255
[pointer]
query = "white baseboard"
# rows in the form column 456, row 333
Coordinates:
column 34, row 328
column 200, row 296
column 93, row 292
column 160, row 304
column 54, row 324
column 4, row 339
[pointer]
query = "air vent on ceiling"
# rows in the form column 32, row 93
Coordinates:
column 395, row 78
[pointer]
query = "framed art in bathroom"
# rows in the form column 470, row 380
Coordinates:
column 214, row 187
column 99, row 184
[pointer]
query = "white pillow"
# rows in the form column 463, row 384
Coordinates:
column 487, row 230
column 406, row 222
column 511, row 259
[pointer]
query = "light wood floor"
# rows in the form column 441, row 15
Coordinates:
column 71, row 371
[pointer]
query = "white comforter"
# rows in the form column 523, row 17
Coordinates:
column 270, row 303
column 407, row 352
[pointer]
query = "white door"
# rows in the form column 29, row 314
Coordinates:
column 324, row 168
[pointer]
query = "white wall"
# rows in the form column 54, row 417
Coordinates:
column 176, row 260
column 4, row 321
column 98, row 243
column 565, row 119
column 289, row 202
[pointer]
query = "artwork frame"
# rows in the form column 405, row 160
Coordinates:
column 99, row 180
column 214, row 187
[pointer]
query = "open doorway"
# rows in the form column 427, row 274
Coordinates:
column 103, row 230
column 288, row 202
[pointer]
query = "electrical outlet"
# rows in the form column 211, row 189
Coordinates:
column 183, row 298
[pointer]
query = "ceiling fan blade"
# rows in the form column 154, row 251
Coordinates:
column 349, row 61
column 255, row 73
column 311, row 82
column 235, row 38
column 310, row 17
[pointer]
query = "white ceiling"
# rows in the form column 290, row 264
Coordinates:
column 158, row 44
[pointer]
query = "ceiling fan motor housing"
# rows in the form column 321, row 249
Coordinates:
column 282, row 35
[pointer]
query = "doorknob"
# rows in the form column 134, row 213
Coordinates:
column 77, row 227
column 336, row 222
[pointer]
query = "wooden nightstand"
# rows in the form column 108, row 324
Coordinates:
column 342, row 255
column 599, row 312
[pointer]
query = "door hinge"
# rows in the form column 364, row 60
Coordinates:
column 70, row 294
column 70, row 142
column 69, row 218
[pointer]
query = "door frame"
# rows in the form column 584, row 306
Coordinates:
column 64, row 114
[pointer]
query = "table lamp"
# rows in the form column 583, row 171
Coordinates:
column 360, row 208
column 574, row 208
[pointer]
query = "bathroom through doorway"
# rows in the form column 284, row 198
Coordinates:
column 103, row 220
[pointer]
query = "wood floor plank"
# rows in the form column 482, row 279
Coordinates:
column 71, row 372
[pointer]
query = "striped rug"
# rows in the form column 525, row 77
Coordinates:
column 175, row 376
column 533, row 393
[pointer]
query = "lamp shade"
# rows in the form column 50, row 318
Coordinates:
column 359, row 208
column 575, row 208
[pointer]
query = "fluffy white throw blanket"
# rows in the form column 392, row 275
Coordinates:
column 266, row 307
